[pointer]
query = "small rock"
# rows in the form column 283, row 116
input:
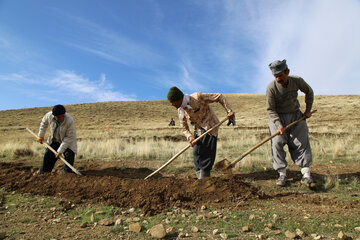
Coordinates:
column 215, row 231
column 131, row 210
column 252, row 217
column 56, row 220
column 136, row 219
column 300, row 233
column 158, row 231
column 106, row 222
column 290, row 235
column 171, row 230
column 277, row 232
column 181, row 235
column 246, row 229
column 269, row 225
column 194, row 229
column 203, row 207
column 223, row 235
column 338, row 226
column 135, row 227
column 318, row 237
column 261, row 236
column 99, row 213
column 119, row 221
column 357, row 229
column 199, row 217
column 92, row 218
column 341, row 235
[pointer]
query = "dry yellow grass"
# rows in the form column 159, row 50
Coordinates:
column 138, row 130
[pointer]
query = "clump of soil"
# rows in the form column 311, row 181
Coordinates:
column 126, row 187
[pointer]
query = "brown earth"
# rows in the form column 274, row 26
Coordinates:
column 109, row 183
column 126, row 187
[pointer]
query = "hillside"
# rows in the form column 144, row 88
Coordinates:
column 250, row 112
column 120, row 143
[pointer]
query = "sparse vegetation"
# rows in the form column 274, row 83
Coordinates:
column 136, row 134
column 139, row 130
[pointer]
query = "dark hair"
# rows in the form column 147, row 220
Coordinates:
column 58, row 110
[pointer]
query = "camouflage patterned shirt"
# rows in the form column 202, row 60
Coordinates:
column 201, row 114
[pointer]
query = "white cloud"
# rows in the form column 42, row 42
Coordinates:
column 67, row 83
column 320, row 40
column 186, row 79
column 76, row 85
column 18, row 78
column 216, row 45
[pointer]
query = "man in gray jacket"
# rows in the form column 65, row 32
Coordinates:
column 283, row 108
column 62, row 138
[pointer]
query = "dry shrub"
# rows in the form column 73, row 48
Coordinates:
column 23, row 152
column 331, row 182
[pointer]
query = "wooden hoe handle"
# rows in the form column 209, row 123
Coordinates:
column 265, row 140
column 51, row 149
column 185, row 148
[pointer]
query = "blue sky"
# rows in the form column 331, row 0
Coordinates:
column 78, row 51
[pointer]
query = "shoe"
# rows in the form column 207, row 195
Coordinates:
column 281, row 181
column 307, row 181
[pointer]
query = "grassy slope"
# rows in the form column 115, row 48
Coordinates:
column 337, row 119
column 250, row 109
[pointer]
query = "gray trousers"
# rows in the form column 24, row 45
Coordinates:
column 296, row 138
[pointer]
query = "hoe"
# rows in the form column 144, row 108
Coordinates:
column 184, row 149
column 226, row 166
column 51, row 149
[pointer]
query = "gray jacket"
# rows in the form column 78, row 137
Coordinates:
column 285, row 100
column 67, row 131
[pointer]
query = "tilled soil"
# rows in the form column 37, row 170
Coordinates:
column 126, row 188
column 109, row 183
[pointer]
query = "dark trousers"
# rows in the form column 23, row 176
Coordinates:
column 49, row 159
column 205, row 152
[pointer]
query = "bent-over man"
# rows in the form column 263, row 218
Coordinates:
column 62, row 138
column 283, row 108
column 196, row 109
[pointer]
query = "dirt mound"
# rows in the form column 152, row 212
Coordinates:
column 125, row 187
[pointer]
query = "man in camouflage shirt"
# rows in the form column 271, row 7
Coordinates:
column 283, row 108
column 196, row 109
